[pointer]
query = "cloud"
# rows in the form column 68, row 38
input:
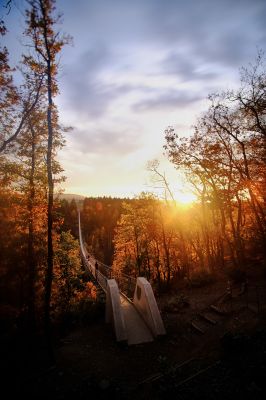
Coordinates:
column 214, row 31
column 84, row 89
column 105, row 142
column 186, row 67
column 92, row 98
column 194, row 38
column 167, row 100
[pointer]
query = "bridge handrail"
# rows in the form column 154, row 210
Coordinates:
column 125, row 282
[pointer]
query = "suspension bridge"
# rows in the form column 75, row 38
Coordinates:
column 131, row 307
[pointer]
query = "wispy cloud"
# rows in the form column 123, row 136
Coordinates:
column 104, row 141
column 169, row 99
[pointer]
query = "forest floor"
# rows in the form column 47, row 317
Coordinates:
column 228, row 358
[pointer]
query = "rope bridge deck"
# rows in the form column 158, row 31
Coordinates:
column 130, row 302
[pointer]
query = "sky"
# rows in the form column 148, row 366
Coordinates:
column 135, row 68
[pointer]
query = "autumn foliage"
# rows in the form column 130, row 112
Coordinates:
column 224, row 162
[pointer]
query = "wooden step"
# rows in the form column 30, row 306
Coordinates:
column 197, row 327
column 218, row 310
column 207, row 318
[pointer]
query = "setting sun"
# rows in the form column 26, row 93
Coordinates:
column 184, row 197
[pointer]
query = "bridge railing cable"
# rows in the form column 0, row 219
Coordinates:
column 103, row 272
column 126, row 284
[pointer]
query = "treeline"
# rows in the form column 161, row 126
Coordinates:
column 224, row 161
column 99, row 217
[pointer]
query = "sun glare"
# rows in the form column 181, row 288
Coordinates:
column 185, row 198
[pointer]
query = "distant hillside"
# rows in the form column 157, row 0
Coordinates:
column 70, row 196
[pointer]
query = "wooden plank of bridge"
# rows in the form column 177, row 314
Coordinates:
column 137, row 330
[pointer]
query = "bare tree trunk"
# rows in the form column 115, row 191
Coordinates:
column 31, row 255
column 157, row 266
column 50, row 253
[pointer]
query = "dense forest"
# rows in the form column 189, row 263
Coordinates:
column 224, row 161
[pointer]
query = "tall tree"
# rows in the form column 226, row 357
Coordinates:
column 225, row 160
column 47, row 43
